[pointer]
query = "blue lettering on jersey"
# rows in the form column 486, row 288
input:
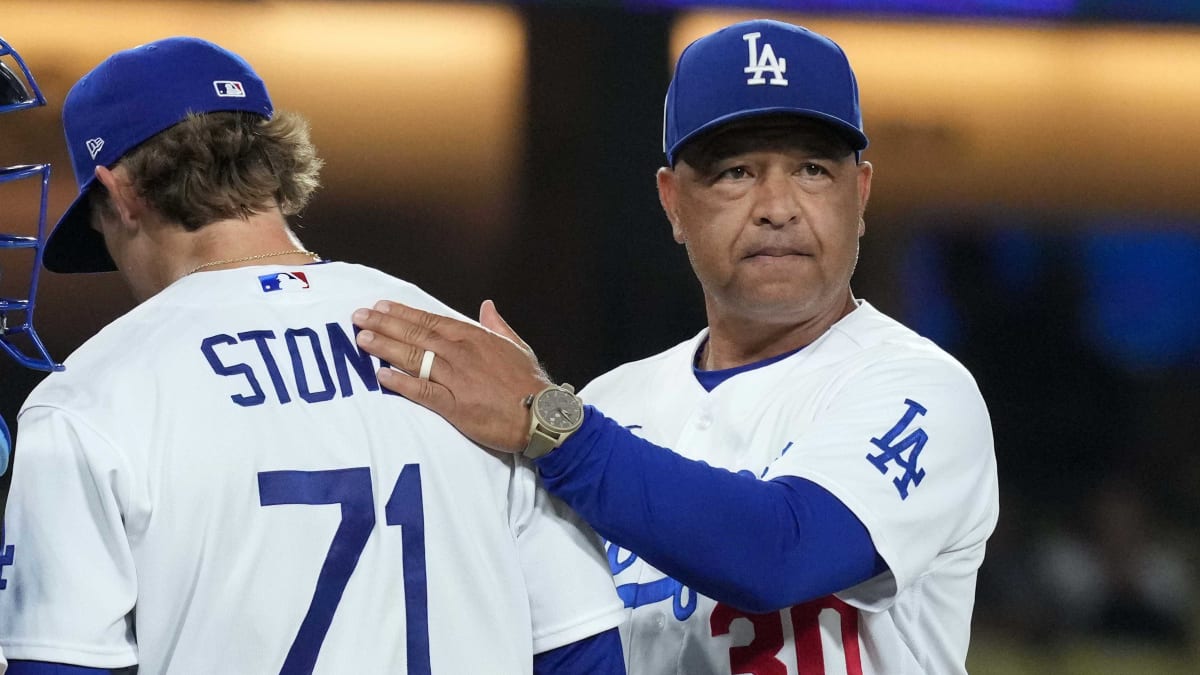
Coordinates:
column 260, row 337
column 781, row 454
column 346, row 353
column 208, row 348
column 892, row 449
column 292, row 336
column 311, row 377
column 637, row 595
column 6, row 559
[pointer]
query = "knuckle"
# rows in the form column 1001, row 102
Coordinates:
column 429, row 321
column 413, row 333
column 412, row 357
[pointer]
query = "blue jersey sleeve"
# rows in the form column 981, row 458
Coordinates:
column 757, row 545
column 43, row 668
column 598, row 654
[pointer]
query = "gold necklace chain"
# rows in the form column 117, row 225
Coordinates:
column 294, row 251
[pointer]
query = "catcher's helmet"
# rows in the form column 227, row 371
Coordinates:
column 16, row 314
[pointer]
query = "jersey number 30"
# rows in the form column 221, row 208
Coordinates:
column 760, row 657
column 351, row 489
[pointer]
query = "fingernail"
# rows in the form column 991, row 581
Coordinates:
column 360, row 315
column 383, row 306
column 365, row 337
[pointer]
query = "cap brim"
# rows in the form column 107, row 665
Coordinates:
column 73, row 246
column 855, row 137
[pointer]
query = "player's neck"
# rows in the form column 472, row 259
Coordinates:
column 260, row 239
column 735, row 340
column 160, row 252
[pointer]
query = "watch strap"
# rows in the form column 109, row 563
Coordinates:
column 540, row 444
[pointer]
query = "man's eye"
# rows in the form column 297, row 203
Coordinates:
column 736, row 172
column 813, row 170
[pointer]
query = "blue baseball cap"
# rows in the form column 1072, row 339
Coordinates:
column 130, row 97
column 757, row 68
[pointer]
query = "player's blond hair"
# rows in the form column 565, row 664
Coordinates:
column 224, row 165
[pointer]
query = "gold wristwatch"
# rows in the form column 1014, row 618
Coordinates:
column 555, row 413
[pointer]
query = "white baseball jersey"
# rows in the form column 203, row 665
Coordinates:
column 884, row 420
column 217, row 484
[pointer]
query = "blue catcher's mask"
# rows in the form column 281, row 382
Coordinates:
column 16, row 313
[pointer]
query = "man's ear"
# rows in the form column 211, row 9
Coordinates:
column 122, row 195
column 668, row 196
column 865, row 172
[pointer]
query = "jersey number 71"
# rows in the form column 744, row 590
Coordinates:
column 351, row 488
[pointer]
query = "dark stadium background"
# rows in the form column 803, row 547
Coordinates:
column 1036, row 211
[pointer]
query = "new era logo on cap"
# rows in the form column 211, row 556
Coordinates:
column 229, row 89
column 94, row 146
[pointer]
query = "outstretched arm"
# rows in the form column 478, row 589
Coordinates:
column 757, row 545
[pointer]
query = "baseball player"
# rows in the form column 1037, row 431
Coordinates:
column 805, row 486
column 217, row 483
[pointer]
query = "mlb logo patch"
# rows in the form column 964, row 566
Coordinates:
column 283, row 281
column 229, row 89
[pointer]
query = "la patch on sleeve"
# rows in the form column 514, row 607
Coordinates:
column 894, row 451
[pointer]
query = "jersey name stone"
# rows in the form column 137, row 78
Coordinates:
column 254, row 356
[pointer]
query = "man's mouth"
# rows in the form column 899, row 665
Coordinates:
column 775, row 252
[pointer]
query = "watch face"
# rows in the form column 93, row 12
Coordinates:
column 559, row 410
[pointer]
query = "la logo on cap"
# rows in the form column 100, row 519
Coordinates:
column 765, row 61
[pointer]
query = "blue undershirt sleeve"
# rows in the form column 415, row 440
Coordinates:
column 756, row 545
column 44, row 668
column 598, row 654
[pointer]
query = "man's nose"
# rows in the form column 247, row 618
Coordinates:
column 775, row 202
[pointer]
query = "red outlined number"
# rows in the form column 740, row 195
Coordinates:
column 760, row 656
column 806, row 620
